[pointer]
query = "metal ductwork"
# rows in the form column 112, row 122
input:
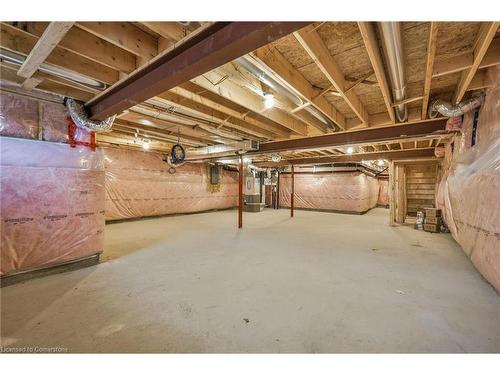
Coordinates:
column 81, row 118
column 449, row 110
column 56, row 71
column 392, row 45
column 262, row 76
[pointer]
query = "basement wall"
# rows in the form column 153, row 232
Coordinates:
column 138, row 184
column 353, row 192
column 383, row 193
column 55, row 199
column 469, row 186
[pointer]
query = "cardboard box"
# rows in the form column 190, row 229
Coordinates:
column 433, row 228
column 432, row 212
column 432, row 220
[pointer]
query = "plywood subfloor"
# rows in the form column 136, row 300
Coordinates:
column 320, row 282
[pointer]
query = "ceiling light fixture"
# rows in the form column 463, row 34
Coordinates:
column 380, row 163
column 146, row 145
column 268, row 100
column 350, row 150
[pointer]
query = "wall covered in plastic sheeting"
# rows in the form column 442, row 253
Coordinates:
column 138, row 184
column 347, row 192
column 52, row 199
column 469, row 189
column 383, row 193
column 24, row 117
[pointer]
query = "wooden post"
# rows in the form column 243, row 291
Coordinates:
column 292, row 193
column 240, row 193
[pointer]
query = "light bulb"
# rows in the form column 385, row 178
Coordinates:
column 380, row 163
column 145, row 145
column 268, row 101
column 350, row 150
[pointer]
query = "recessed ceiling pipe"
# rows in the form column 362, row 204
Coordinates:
column 278, row 87
column 392, row 46
column 69, row 75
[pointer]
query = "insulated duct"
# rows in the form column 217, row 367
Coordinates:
column 392, row 45
column 81, row 118
column 449, row 110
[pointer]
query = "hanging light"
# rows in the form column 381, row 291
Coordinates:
column 350, row 150
column 268, row 100
column 146, row 145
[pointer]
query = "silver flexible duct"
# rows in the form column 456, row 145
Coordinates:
column 392, row 45
column 449, row 110
column 81, row 119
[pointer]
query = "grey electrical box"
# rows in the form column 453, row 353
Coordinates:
column 214, row 174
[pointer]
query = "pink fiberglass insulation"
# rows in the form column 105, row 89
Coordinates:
column 383, row 194
column 18, row 116
column 52, row 199
column 138, row 184
column 24, row 117
column 349, row 192
column 468, row 192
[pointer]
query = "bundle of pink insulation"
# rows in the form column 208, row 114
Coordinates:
column 469, row 191
column 139, row 184
column 52, row 204
column 346, row 192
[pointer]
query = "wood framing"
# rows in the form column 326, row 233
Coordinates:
column 273, row 62
column 218, row 44
column 485, row 36
column 372, row 48
column 429, row 65
column 316, row 48
column 52, row 35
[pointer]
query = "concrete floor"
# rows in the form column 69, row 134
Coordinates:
column 320, row 282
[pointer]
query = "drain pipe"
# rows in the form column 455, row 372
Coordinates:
column 392, row 45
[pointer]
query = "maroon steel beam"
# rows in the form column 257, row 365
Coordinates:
column 384, row 133
column 240, row 193
column 218, row 44
column 292, row 193
column 389, row 155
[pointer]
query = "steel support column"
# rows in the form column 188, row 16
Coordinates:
column 292, row 194
column 240, row 193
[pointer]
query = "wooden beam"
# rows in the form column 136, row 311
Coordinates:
column 17, row 40
column 187, row 104
column 429, row 66
column 276, row 64
column 213, row 46
column 372, row 48
column 197, row 94
column 317, row 50
column 90, row 46
column 214, row 82
column 170, row 30
column 485, row 36
column 464, row 61
column 124, row 35
column 30, row 83
column 52, row 35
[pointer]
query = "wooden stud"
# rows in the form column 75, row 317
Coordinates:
column 429, row 66
column 317, row 50
column 485, row 36
column 52, row 35
column 240, row 193
column 292, row 193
